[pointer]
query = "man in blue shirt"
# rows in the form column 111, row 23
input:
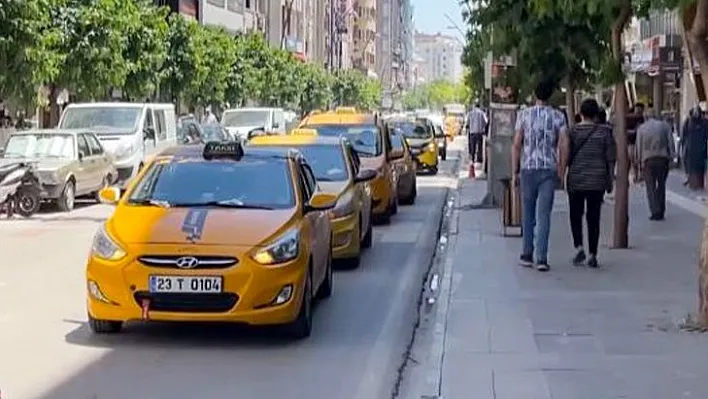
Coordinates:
column 539, row 156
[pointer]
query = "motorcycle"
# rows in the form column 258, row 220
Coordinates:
column 20, row 190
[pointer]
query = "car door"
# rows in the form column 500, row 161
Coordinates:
column 83, row 172
column 149, row 143
column 362, row 192
column 102, row 160
column 320, row 221
column 310, row 223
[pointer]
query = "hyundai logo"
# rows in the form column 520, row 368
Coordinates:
column 187, row 262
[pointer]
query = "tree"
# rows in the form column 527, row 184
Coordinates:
column 182, row 57
column 146, row 49
column 317, row 92
column 436, row 94
column 215, row 53
column 416, row 98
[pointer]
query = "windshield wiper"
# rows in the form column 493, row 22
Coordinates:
column 222, row 204
column 150, row 202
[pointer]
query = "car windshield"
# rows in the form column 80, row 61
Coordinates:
column 212, row 133
column 327, row 161
column 263, row 184
column 412, row 130
column 364, row 138
column 40, row 145
column 245, row 118
column 120, row 119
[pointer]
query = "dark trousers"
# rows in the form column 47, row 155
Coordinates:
column 475, row 146
column 656, row 171
column 590, row 204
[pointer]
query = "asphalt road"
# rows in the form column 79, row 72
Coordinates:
column 359, row 338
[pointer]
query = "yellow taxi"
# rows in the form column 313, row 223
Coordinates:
column 421, row 138
column 338, row 171
column 372, row 143
column 405, row 168
column 214, row 233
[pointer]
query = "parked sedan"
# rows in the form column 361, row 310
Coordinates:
column 70, row 163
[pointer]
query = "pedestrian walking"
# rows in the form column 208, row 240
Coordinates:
column 477, row 127
column 591, row 165
column 538, row 159
column 634, row 119
column 694, row 140
column 655, row 150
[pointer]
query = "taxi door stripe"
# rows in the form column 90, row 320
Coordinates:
column 193, row 225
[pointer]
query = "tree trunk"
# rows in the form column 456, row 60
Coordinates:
column 570, row 103
column 54, row 111
column 620, row 237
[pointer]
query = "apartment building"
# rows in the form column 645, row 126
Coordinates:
column 233, row 15
column 439, row 58
column 407, row 47
column 365, row 34
column 388, row 43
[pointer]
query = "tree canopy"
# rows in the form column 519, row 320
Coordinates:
column 436, row 94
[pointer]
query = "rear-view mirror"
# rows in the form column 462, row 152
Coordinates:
column 365, row 175
column 321, row 202
column 109, row 195
column 256, row 132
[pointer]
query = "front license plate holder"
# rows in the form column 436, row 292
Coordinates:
column 162, row 284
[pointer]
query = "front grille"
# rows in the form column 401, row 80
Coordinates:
column 203, row 262
column 188, row 303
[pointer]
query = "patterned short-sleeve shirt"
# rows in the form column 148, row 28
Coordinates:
column 540, row 128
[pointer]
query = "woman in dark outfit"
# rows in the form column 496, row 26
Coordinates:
column 695, row 141
column 590, row 169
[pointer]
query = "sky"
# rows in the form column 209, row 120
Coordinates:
column 429, row 16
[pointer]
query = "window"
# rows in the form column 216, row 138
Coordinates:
column 148, row 120
column 304, row 188
column 310, row 179
column 94, row 145
column 161, row 128
column 83, row 146
column 354, row 159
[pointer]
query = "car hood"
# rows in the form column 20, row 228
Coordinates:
column 114, row 140
column 418, row 142
column 334, row 187
column 208, row 226
column 41, row 163
column 241, row 130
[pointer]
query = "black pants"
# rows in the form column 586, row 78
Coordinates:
column 656, row 171
column 578, row 201
column 475, row 146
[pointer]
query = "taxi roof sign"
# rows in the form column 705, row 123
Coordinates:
column 304, row 132
column 345, row 110
column 223, row 150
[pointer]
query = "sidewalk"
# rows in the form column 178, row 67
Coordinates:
column 573, row 333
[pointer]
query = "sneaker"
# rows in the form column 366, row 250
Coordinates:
column 526, row 260
column 592, row 262
column 542, row 266
column 579, row 257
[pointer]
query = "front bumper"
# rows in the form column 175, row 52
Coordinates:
column 248, row 289
column 346, row 241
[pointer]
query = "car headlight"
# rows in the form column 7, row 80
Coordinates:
column 431, row 146
column 283, row 249
column 104, row 247
column 342, row 209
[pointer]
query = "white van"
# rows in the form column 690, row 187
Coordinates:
column 239, row 121
column 130, row 131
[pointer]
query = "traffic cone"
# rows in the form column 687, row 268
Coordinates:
column 472, row 173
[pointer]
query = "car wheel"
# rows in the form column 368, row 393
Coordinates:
column 394, row 206
column 325, row 290
column 104, row 326
column 27, row 201
column 67, row 199
column 301, row 327
column 368, row 239
column 104, row 184
column 410, row 199
column 434, row 170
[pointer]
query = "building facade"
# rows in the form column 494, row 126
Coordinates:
column 233, row 15
column 439, row 58
column 407, row 48
column 364, row 37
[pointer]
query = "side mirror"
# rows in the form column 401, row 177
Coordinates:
column 395, row 155
column 365, row 175
column 109, row 195
column 256, row 132
column 321, row 202
column 149, row 133
column 81, row 155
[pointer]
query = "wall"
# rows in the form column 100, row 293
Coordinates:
column 225, row 13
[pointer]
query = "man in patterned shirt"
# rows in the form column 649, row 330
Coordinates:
column 538, row 158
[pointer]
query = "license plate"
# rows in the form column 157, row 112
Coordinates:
column 186, row 284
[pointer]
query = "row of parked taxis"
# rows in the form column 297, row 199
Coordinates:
column 249, row 233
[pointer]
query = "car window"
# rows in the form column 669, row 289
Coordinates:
column 161, row 125
column 413, row 130
column 304, row 187
column 353, row 159
column 94, row 145
column 327, row 161
column 397, row 138
column 83, row 145
column 366, row 139
column 248, row 183
column 40, row 145
column 148, row 119
column 310, row 178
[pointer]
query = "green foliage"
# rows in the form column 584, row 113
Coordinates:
column 436, row 94
column 93, row 46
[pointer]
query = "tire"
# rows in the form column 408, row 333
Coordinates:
column 105, row 183
column 394, row 206
column 434, row 170
column 104, row 326
column 410, row 199
column 67, row 199
column 326, row 288
column 368, row 239
column 27, row 201
column 301, row 327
